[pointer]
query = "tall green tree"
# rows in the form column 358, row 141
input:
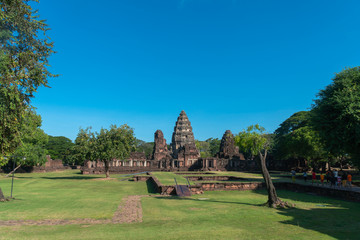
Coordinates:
column 337, row 114
column 203, row 148
column 256, row 142
column 214, row 146
column 84, row 148
column 297, row 139
column 59, row 148
column 115, row 143
column 32, row 150
column 24, row 52
column 106, row 145
column 145, row 147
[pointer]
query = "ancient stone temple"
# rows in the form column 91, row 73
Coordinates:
column 227, row 146
column 183, row 142
column 183, row 156
column 160, row 147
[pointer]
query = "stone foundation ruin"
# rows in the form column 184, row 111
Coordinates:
column 182, row 156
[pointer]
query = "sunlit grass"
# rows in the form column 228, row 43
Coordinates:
column 212, row 215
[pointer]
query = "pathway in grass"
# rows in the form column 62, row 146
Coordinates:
column 129, row 211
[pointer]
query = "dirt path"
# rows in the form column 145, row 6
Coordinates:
column 129, row 211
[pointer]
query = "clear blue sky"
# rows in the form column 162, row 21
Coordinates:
column 227, row 63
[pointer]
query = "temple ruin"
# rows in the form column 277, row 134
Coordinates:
column 183, row 142
column 182, row 156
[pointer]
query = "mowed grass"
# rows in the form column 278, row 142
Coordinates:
column 64, row 195
column 213, row 215
column 168, row 178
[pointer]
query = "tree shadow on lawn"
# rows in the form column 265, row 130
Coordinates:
column 206, row 200
column 336, row 218
column 71, row 177
column 19, row 177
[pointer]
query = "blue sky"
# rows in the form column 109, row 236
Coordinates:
column 228, row 63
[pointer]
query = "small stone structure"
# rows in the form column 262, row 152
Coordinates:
column 183, row 156
column 53, row 164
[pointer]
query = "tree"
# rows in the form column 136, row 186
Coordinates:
column 32, row 150
column 60, row 148
column 24, row 52
column 106, row 145
column 84, row 147
column 297, row 139
column 116, row 143
column 337, row 114
column 145, row 147
column 208, row 148
column 257, row 143
column 203, row 148
column 214, row 146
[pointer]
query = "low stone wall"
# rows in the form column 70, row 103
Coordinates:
column 214, row 178
column 198, row 188
column 162, row 189
column 117, row 170
column 231, row 186
column 195, row 173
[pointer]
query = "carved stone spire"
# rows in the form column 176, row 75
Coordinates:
column 182, row 136
column 227, row 146
column 160, row 147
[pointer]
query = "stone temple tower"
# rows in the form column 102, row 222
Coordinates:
column 183, row 142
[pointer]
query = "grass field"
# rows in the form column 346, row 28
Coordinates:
column 213, row 215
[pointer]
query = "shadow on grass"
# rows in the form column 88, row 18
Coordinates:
column 150, row 187
column 206, row 200
column 71, row 177
column 340, row 223
column 19, row 177
column 336, row 218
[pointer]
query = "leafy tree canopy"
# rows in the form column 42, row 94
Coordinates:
column 296, row 121
column 203, row 148
column 24, row 52
column 59, row 147
column 106, row 145
column 253, row 141
column 208, row 148
column 32, row 150
column 256, row 142
column 337, row 114
column 145, row 147
column 214, row 146
column 84, row 147
column 296, row 138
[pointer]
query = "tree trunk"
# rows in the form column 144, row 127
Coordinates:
column 273, row 200
column 2, row 197
column 107, row 172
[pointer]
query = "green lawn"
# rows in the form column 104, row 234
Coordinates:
column 167, row 178
column 65, row 195
column 213, row 215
